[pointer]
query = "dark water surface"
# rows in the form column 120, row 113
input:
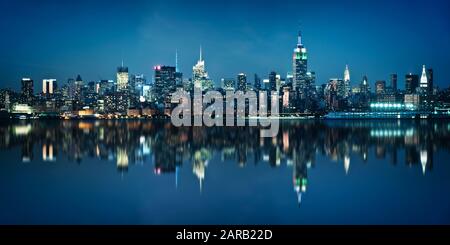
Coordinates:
column 144, row 172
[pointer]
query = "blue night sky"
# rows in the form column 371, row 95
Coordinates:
column 60, row 39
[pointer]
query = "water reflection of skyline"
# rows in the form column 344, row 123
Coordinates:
column 168, row 148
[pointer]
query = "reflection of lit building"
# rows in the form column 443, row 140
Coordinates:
column 346, row 164
column 122, row 159
column 201, row 158
column 47, row 153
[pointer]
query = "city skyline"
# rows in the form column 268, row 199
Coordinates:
column 241, row 57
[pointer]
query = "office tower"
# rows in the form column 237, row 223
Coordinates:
column 266, row 83
column 139, row 82
column 257, row 83
column 430, row 81
column 424, row 80
column 200, row 77
column 340, row 87
column 394, row 83
column 299, row 64
column 346, row 81
column 289, row 78
column 48, row 86
column 165, row 82
column 380, row 87
column 27, row 90
column 411, row 83
column 311, row 79
column 122, row 78
column 272, row 81
column 242, row 82
column 178, row 78
column 228, row 83
column 365, row 87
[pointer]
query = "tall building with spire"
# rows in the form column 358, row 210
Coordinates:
column 299, row 65
column 200, row 77
column 424, row 79
column 122, row 78
column 346, row 81
column 364, row 86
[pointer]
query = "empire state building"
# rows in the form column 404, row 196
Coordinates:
column 299, row 64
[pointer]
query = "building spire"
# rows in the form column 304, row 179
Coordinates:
column 176, row 60
column 299, row 38
column 201, row 53
column 122, row 62
column 346, row 74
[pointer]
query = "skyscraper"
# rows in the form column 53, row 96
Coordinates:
column 394, row 82
column 242, row 82
column 430, row 81
column 27, row 90
column 200, row 76
column 122, row 78
column 346, row 81
column 273, row 81
column 257, row 83
column 365, row 87
column 340, row 87
column 424, row 80
column 165, row 82
column 299, row 64
column 411, row 83
column 380, row 87
column 48, row 86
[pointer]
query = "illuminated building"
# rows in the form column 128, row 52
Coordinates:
column 365, row 87
column 48, row 86
column 299, row 64
column 424, row 79
column 122, row 78
column 380, row 87
column 341, row 88
column 412, row 99
column 346, row 82
column 200, row 77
